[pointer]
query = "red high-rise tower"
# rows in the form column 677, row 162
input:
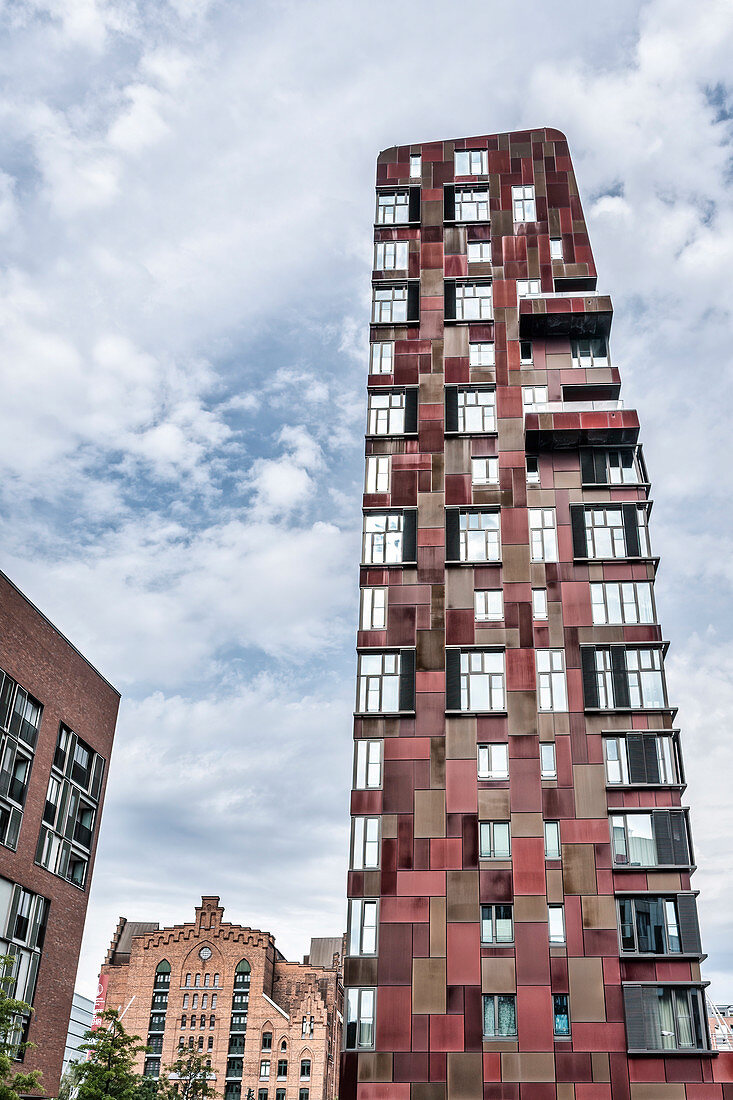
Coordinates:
column 521, row 920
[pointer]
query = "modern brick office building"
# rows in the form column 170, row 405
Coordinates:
column 57, row 723
column 267, row 1025
column 522, row 924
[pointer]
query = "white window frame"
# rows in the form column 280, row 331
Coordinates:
column 365, row 843
column 493, row 760
column 552, row 689
column 474, row 302
column 617, row 603
column 487, row 833
column 548, row 760
column 483, row 680
column 587, row 352
column 490, row 921
column 488, row 605
column 377, row 473
column 524, row 203
column 379, row 683
column 391, row 255
column 472, row 204
column 477, row 410
column 382, row 538
column 539, row 605
column 496, row 999
column 382, row 357
column 534, row 398
column 396, row 212
column 478, row 252
column 475, row 161
column 479, row 536
column 646, row 679
column 360, row 1011
column 363, row 924
column 556, row 252
column 533, row 469
column 373, row 609
column 553, row 843
column 556, row 925
column 368, row 764
column 528, row 288
column 484, row 471
column 389, row 305
column 415, row 166
column 616, row 759
column 543, row 535
column 481, row 353
column 386, row 413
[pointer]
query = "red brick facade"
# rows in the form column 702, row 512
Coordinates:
column 522, row 925
column 272, row 1002
column 70, row 692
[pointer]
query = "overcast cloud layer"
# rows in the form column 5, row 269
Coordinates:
column 185, row 227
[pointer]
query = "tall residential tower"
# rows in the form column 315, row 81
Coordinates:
column 522, row 924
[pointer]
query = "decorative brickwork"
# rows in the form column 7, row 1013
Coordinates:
column 267, row 996
column 522, row 925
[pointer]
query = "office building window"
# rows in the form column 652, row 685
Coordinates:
column 383, row 538
column 481, row 354
column 360, row 1003
column 497, row 924
column 539, row 604
column 640, row 758
column 415, row 166
column 391, row 255
column 381, row 357
column 620, row 602
column 484, row 471
column 618, row 532
column 393, row 207
column 476, row 410
column 542, row 534
column 471, row 162
column 389, row 305
column 368, row 765
column 665, row 1018
column 386, row 413
column 500, row 1015
column 493, row 761
column 377, row 474
column 479, row 252
column 657, row 839
column 494, row 840
column 523, row 203
column 365, row 843
column 379, row 683
column 473, row 302
column 552, row 693
column 472, row 203
column 479, row 536
column 552, row 840
column 548, row 761
column 373, row 608
column 363, row 926
column 482, row 679
column 620, row 677
column 489, row 605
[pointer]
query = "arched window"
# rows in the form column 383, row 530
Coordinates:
column 193, row 1019
column 201, row 1042
column 283, row 1045
column 195, row 1001
column 213, row 1000
column 162, row 975
column 216, row 979
column 204, row 1000
column 242, row 975
column 212, row 1021
column 207, row 979
column 183, row 1020
column 188, row 979
column 267, row 1040
column 203, row 1021
column 185, row 1000
column 197, row 980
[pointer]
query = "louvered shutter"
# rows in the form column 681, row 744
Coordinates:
column 413, row 301
column 451, row 408
column 577, row 521
column 587, row 466
column 452, row 679
column 633, row 1011
column 449, row 299
column 409, row 535
column 688, row 924
column 452, row 534
column 407, row 679
column 97, row 776
column 636, row 757
column 590, row 680
column 631, row 530
column 410, row 411
column 663, row 837
column 650, row 1015
column 620, row 677
column 601, row 467
column 449, row 203
column 680, row 843
column 413, row 211
column 651, row 758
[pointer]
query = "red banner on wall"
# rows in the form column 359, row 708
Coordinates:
column 100, row 1000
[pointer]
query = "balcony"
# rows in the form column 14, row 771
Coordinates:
column 560, row 313
column 565, row 425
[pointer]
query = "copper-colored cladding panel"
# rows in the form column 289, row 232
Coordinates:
column 433, row 970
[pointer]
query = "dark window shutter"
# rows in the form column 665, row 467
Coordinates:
column 620, row 677
column 637, row 759
column 651, row 758
column 452, row 534
column 678, row 829
column 601, row 467
column 663, row 837
column 650, row 1015
column 590, row 680
column 410, row 411
column 577, row 521
column 407, row 679
column 631, row 530
column 688, row 924
column 587, row 466
column 413, row 211
column 449, row 299
column 449, row 203
column 451, row 408
column 452, row 679
column 633, row 1011
column 413, row 301
column 409, row 535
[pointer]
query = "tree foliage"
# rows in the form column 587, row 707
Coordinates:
column 190, row 1071
column 13, row 1082
column 109, row 1073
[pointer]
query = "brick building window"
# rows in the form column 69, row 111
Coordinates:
column 282, row 1068
column 265, row 1067
column 306, row 1029
column 303, row 1094
column 267, row 1040
column 305, row 1069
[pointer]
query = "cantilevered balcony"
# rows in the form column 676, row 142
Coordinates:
column 565, row 313
column 564, row 425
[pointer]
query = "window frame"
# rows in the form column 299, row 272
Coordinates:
column 487, row 830
column 488, row 917
column 485, row 753
column 496, row 998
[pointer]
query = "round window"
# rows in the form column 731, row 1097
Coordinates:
column 205, row 953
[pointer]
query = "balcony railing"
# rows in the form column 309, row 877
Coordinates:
column 575, row 406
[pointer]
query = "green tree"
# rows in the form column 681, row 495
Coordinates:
column 109, row 1074
column 191, row 1072
column 70, row 1081
column 12, row 1081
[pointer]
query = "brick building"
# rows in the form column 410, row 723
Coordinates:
column 57, row 722
column 522, row 924
column 267, row 1024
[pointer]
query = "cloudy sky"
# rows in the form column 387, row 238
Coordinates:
column 185, row 224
